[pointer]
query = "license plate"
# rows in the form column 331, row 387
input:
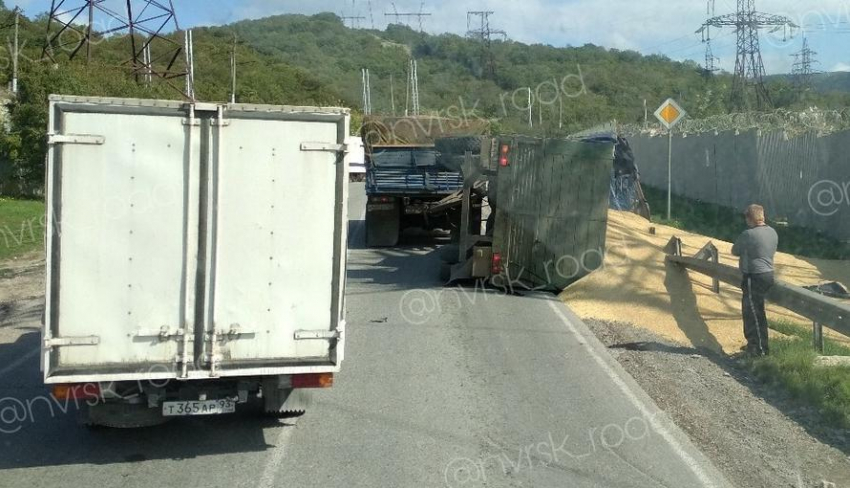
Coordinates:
column 198, row 407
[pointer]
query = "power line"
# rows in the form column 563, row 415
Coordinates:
column 404, row 18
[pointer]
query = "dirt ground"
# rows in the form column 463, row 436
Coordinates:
column 21, row 296
column 756, row 436
column 678, row 305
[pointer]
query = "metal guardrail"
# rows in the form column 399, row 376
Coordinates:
column 821, row 310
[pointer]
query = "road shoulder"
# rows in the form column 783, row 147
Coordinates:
column 753, row 433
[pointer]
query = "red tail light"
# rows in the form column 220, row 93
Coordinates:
column 77, row 391
column 503, row 159
column 313, row 380
column 496, row 267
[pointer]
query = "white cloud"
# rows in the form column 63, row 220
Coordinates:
column 841, row 67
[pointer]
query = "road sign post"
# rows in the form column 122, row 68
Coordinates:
column 670, row 114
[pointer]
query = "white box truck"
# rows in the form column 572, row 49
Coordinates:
column 195, row 256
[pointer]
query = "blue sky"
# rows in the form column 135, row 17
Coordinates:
column 648, row 26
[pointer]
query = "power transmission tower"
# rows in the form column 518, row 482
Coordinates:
column 802, row 70
column 482, row 32
column 71, row 27
column 367, row 91
column 404, row 18
column 354, row 19
column 710, row 66
column 749, row 65
column 371, row 15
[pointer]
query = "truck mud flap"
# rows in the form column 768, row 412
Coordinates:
column 383, row 227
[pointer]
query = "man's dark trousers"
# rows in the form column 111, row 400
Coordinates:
column 755, row 287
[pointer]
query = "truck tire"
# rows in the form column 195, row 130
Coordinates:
column 458, row 146
column 383, row 228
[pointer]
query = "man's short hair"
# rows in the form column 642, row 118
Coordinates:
column 755, row 213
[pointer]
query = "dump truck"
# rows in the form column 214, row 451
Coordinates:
column 404, row 174
column 532, row 212
column 195, row 257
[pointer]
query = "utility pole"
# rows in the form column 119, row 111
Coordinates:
column 233, row 71
column 404, row 18
column 15, row 54
column 392, row 95
column 802, row 69
column 367, row 91
column 190, row 63
column 371, row 15
column 530, row 120
column 482, row 32
column 148, row 74
column 413, row 84
column 749, row 65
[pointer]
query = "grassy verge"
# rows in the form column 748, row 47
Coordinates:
column 791, row 366
column 21, row 229
column 726, row 223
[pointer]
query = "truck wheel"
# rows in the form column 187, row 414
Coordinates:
column 121, row 415
column 383, row 228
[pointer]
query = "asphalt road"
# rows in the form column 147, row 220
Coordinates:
column 439, row 387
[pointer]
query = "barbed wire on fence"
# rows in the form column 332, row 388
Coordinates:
column 821, row 122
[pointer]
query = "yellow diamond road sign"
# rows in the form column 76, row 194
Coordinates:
column 670, row 113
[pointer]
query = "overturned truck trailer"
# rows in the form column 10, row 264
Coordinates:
column 544, row 216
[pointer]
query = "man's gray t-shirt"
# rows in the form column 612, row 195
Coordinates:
column 756, row 248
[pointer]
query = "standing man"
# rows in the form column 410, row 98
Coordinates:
column 755, row 248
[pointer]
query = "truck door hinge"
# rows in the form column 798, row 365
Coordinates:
column 301, row 335
column 71, row 341
column 324, row 146
column 75, row 139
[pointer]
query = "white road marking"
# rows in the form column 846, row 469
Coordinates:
column 692, row 464
column 21, row 360
column 276, row 457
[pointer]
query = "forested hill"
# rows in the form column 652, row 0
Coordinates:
column 596, row 84
column 316, row 60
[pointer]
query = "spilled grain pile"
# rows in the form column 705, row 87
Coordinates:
column 636, row 286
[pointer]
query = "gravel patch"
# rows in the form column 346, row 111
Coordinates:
column 757, row 436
